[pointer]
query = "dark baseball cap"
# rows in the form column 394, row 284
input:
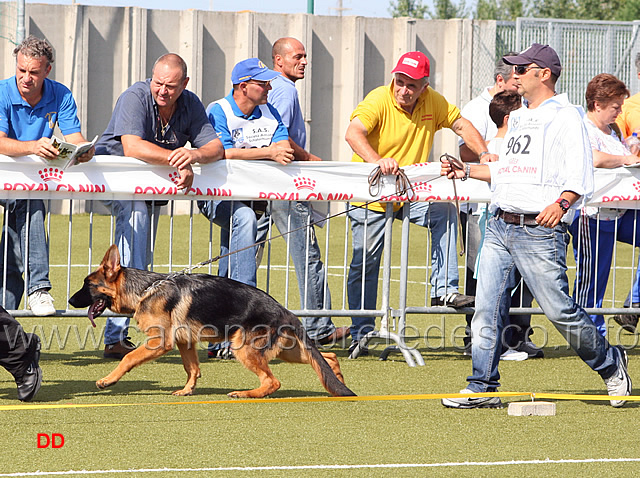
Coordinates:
column 541, row 55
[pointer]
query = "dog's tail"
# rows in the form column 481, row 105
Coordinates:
column 328, row 379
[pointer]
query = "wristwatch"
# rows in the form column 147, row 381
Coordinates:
column 564, row 204
column 467, row 172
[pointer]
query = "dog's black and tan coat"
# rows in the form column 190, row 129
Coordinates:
column 186, row 308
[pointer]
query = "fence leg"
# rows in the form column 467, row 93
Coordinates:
column 411, row 356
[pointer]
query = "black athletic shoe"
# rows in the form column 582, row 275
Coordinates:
column 533, row 351
column 453, row 300
column 119, row 349
column 221, row 351
column 29, row 382
column 628, row 322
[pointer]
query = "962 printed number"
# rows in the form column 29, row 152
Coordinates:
column 515, row 144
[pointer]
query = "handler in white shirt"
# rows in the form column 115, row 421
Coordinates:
column 545, row 167
column 516, row 341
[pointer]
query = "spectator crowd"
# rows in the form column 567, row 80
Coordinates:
column 516, row 245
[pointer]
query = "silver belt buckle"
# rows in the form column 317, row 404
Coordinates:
column 521, row 220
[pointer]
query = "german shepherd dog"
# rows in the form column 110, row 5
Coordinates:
column 182, row 309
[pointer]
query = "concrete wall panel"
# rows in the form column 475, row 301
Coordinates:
column 102, row 50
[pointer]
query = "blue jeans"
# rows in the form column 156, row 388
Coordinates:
column 134, row 240
column 305, row 252
column 539, row 254
column 439, row 217
column 238, row 226
column 22, row 215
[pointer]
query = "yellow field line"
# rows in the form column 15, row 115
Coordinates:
column 424, row 396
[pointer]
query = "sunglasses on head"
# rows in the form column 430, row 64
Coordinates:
column 521, row 69
column 164, row 133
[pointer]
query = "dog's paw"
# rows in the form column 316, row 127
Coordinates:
column 183, row 393
column 102, row 384
column 246, row 394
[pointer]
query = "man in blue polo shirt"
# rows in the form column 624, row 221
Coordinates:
column 249, row 128
column 152, row 121
column 30, row 106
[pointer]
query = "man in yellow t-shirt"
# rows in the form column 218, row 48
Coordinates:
column 394, row 127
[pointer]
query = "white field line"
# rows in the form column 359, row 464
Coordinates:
column 328, row 467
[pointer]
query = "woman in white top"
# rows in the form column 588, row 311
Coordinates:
column 596, row 230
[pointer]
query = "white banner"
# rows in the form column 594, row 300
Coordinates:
column 113, row 177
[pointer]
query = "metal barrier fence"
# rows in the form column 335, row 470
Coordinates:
column 585, row 48
column 78, row 241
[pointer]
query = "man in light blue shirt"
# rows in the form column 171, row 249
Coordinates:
column 290, row 59
column 30, row 107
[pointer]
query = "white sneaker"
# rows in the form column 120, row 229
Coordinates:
column 514, row 355
column 472, row 402
column 619, row 384
column 41, row 303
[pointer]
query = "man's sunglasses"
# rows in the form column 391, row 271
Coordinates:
column 262, row 84
column 521, row 70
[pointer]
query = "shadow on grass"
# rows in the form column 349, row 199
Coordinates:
column 88, row 392
column 602, row 391
column 96, row 366
column 94, row 357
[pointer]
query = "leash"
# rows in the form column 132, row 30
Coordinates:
column 459, row 165
column 402, row 184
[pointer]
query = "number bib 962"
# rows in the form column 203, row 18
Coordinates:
column 521, row 152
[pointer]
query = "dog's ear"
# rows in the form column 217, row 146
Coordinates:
column 111, row 263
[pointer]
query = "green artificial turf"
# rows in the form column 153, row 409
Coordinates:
column 154, row 433
column 156, row 430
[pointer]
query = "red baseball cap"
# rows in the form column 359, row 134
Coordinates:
column 414, row 64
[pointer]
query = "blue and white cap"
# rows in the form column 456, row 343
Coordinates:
column 252, row 69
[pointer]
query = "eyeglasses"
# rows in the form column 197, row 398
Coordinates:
column 262, row 84
column 521, row 70
column 164, row 133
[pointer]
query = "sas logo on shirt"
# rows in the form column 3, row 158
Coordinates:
column 427, row 117
column 237, row 135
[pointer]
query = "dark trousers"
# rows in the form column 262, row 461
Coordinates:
column 15, row 346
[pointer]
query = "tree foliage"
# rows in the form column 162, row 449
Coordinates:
column 612, row 10
column 445, row 9
column 501, row 9
column 407, row 8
